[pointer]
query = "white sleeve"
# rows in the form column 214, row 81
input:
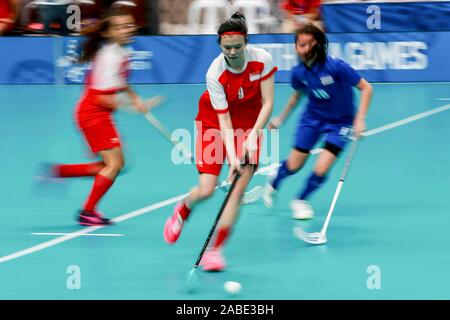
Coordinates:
column 269, row 65
column 107, row 71
column 216, row 93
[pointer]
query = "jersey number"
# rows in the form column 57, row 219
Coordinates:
column 320, row 94
column 241, row 93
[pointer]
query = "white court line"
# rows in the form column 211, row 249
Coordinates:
column 406, row 120
column 88, row 235
column 76, row 234
column 161, row 204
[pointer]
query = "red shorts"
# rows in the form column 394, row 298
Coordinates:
column 102, row 136
column 211, row 153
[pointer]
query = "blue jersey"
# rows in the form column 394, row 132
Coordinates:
column 329, row 88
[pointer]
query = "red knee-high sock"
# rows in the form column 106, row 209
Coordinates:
column 222, row 235
column 101, row 186
column 184, row 211
column 77, row 170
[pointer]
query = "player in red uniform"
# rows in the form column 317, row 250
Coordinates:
column 232, row 111
column 104, row 83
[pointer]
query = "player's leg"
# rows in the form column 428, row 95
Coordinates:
column 76, row 170
column 307, row 134
column 290, row 166
column 204, row 190
column 213, row 259
column 323, row 165
column 335, row 142
column 54, row 173
column 114, row 162
column 103, row 136
column 301, row 208
column 174, row 224
column 210, row 155
column 104, row 140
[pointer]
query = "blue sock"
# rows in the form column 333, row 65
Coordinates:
column 314, row 182
column 282, row 173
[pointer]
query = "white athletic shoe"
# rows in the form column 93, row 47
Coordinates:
column 269, row 195
column 301, row 210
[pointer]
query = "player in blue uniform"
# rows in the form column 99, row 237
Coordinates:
column 330, row 112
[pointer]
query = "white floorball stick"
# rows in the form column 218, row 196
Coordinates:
column 125, row 103
column 168, row 136
column 321, row 237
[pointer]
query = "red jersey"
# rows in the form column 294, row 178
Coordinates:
column 237, row 92
column 300, row 6
column 108, row 75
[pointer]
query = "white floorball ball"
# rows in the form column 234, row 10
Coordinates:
column 232, row 287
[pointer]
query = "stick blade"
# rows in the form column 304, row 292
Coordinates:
column 253, row 195
column 191, row 280
column 311, row 238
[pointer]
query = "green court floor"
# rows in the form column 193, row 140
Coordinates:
column 393, row 213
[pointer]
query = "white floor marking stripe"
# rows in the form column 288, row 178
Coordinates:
column 87, row 230
column 406, row 120
column 65, row 234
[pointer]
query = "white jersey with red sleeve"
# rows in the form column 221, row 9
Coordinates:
column 236, row 92
column 108, row 75
column 109, row 70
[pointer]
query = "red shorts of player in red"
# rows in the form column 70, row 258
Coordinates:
column 96, row 123
column 101, row 136
column 210, row 149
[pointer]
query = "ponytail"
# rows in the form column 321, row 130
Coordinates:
column 94, row 35
column 236, row 24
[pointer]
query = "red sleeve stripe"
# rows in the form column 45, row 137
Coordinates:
column 222, row 111
column 269, row 74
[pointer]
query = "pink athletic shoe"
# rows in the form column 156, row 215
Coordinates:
column 92, row 218
column 174, row 225
column 213, row 260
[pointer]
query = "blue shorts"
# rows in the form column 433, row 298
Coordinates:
column 310, row 130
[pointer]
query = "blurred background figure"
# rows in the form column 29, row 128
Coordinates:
column 9, row 11
column 204, row 16
column 45, row 17
column 300, row 12
column 53, row 16
column 145, row 13
column 173, row 16
column 258, row 13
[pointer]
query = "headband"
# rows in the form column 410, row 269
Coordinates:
column 229, row 33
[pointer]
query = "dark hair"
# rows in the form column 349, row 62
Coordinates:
column 237, row 23
column 94, row 35
column 321, row 47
